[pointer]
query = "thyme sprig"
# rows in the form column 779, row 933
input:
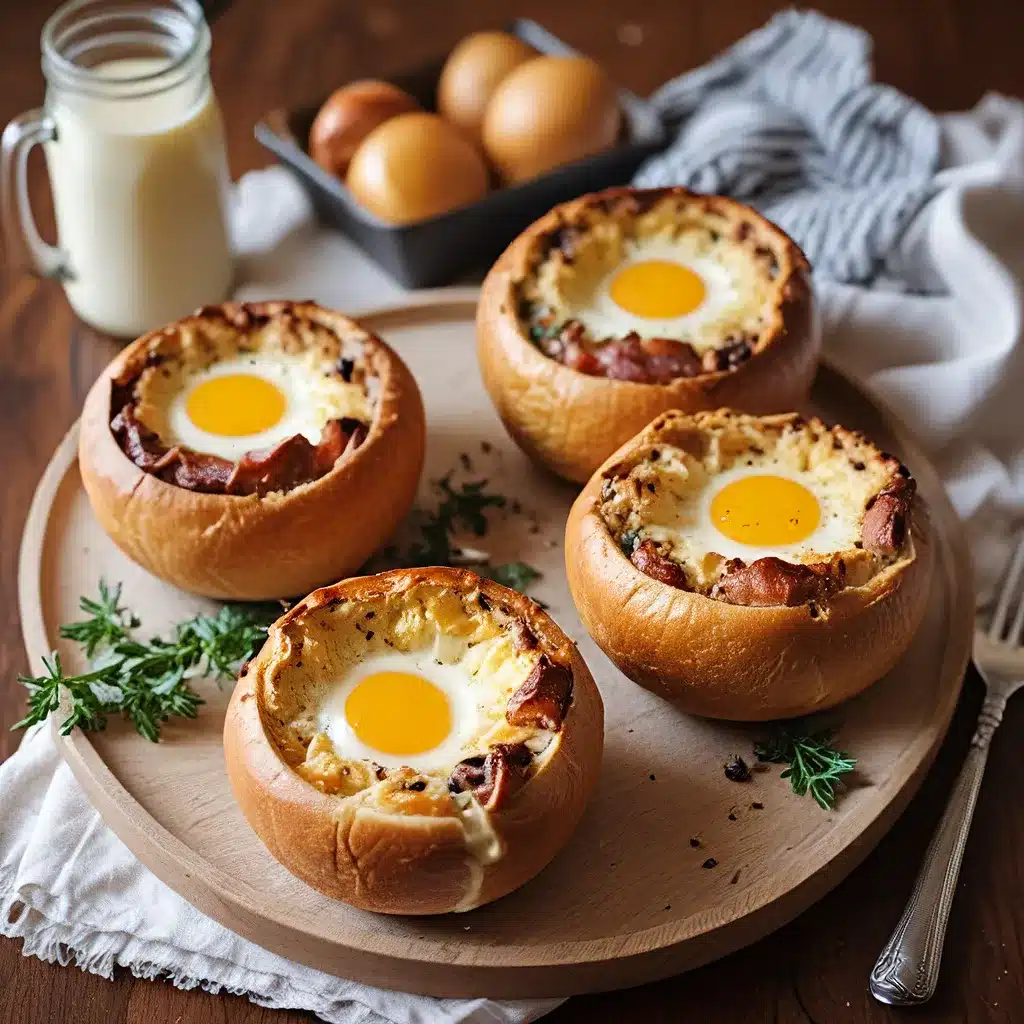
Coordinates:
column 464, row 507
column 146, row 681
column 815, row 765
column 517, row 575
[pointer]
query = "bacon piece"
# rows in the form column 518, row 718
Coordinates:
column 642, row 360
column 543, row 698
column 651, row 562
column 576, row 357
column 291, row 462
column 567, row 346
column 523, row 638
column 138, row 442
column 337, row 438
column 648, row 361
column 181, row 467
column 494, row 778
column 884, row 529
column 206, row 473
column 294, row 461
column 623, row 359
column 667, row 359
column 279, row 468
column 771, row 582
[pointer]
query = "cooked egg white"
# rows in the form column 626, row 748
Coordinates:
column 761, row 509
column 253, row 401
column 661, row 289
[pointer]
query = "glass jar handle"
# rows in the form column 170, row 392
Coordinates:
column 25, row 247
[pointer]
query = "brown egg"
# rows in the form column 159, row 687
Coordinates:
column 348, row 116
column 416, row 166
column 473, row 71
column 549, row 111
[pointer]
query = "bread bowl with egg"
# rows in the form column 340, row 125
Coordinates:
column 253, row 450
column 626, row 303
column 416, row 742
column 749, row 567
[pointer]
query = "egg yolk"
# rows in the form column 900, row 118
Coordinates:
column 657, row 288
column 235, row 405
column 765, row 510
column 398, row 713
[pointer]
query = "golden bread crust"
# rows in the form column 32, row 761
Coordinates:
column 677, row 455
column 283, row 543
column 570, row 421
column 733, row 661
column 368, row 848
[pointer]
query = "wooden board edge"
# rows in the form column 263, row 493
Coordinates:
column 156, row 847
column 30, row 554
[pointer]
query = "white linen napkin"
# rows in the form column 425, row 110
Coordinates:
column 947, row 362
column 73, row 892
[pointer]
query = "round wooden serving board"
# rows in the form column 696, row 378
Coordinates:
column 628, row 900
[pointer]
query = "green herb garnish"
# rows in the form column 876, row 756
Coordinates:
column 815, row 766
column 107, row 624
column 542, row 332
column 147, row 682
column 464, row 507
column 517, row 575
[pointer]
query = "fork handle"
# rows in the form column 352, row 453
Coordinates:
column 908, row 969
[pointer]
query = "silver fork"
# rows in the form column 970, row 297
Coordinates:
column 908, row 969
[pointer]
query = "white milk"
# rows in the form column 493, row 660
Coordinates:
column 139, row 186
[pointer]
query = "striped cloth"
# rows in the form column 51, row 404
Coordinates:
column 789, row 120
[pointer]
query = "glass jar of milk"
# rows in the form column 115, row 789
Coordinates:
column 135, row 152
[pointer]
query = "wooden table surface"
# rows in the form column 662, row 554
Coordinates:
column 268, row 53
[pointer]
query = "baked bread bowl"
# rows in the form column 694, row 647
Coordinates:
column 253, row 450
column 343, row 763
column 750, row 568
column 626, row 303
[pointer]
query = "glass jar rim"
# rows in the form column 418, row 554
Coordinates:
column 180, row 21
